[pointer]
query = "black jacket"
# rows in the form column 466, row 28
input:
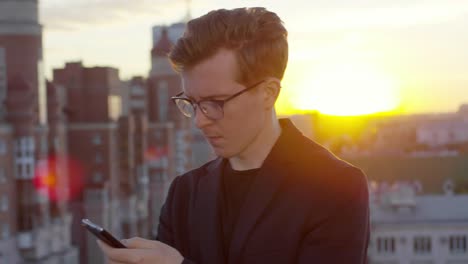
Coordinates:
column 305, row 206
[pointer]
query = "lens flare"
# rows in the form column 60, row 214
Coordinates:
column 59, row 178
column 156, row 153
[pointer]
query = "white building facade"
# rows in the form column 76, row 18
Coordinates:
column 407, row 228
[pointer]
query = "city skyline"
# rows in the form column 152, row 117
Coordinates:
column 411, row 51
column 91, row 143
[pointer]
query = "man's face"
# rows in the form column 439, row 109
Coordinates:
column 244, row 115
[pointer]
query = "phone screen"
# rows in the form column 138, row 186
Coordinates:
column 102, row 234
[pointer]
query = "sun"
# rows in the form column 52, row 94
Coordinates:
column 346, row 89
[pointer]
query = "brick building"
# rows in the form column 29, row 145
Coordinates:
column 33, row 229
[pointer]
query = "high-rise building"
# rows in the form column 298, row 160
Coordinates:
column 174, row 32
column 169, row 132
column 57, row 164
column 21, row 38
column 164, row 83
column 3, row 83
column 133, row 194
column 30, row 232
column 135, row 105
column 186, row 146
column 93, row 108
column 8, row 249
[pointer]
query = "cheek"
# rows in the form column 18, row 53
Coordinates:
column 243, row 108
column 239, row 126
column 240, row 118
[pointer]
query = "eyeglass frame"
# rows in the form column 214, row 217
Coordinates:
column 219, row 102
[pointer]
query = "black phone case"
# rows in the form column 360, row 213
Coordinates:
column 103, row 235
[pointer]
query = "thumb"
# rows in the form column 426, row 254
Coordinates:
column 138, row 242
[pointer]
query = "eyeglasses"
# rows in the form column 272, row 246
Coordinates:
column 212, row 109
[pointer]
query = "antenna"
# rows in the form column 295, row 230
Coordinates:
column 188, row 16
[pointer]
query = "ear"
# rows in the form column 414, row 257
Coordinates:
column 272, row 87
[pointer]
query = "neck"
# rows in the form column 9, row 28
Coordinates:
column 254, row 155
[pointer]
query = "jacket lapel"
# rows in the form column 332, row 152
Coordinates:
column 264, row 187
column 208, row 230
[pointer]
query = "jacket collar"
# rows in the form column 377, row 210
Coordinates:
column 264, row 186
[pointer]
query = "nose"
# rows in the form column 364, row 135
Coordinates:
column 200, row 119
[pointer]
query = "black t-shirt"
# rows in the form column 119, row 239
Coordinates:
column 236, row 184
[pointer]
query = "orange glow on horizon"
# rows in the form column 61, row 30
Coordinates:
column 343, row 88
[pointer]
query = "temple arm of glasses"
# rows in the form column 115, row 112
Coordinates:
column 178, row 96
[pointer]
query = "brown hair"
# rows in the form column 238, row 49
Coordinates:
column 257, row 36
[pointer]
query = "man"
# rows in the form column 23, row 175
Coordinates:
column 272, row 195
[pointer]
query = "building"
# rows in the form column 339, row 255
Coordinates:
column 159, row 157
column 33, row 229
column 410, row 228
column 3, row 83
column 134, row 97
column 138, row 109
column 418, row 209
column 8, row 250
column 21, row 39
column 134, row 190
column 463, row 111
column 174, row 31
column 93, row 108
column 56, row 163
column 169, row 132
column 443, row 133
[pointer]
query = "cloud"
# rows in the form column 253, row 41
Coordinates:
column 71, row 14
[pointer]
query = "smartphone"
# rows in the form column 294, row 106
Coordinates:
column 102, row 234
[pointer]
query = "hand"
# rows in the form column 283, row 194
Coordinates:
column 141, row 251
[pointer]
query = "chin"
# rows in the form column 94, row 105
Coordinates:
column 222, row 152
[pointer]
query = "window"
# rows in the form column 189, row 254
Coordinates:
column 98, row 158
column 56, row 143
column 97, row 177
column 97, row 139
column 44, row 145
column 114, row 106
column 3, row 147
column 422, row 245
column 19, row 170
column 163, row 99
column 24, row 158
column 386, row 245
column 158, row 134
column 5, row 231
column 28, row 170
column 3, row 178
column 4, row 204
column 3, row 82
column 457, row 244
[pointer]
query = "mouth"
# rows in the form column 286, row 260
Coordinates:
column 214, row 140
column 213, row 137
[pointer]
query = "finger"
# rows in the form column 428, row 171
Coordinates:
column 138, row 242
column 108, row 261
column 124, row 242
column 120, row 255
column 104, row 247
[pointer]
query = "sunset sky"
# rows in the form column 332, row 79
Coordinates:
column 346, row 57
